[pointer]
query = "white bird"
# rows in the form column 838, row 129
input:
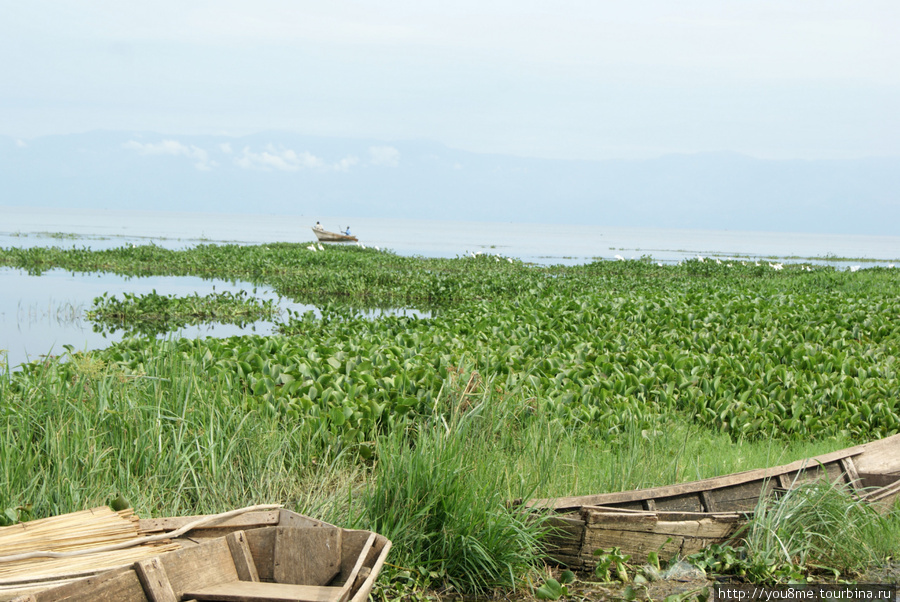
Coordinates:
column 509, row 259
column 362, row 245
column 757, row 263
column 776, row 266
column 321, row 248
column 311, row 248
column 620, row 258
column 700, row 258
column 890, row 266
column 854, row 268
column 376, row 248
column 718, row 261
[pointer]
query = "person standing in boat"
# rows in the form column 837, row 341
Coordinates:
column 347, row 231
column 319, row 226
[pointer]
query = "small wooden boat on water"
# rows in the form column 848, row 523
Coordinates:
column 326, row 236
column 685, row 518
column 262, row 555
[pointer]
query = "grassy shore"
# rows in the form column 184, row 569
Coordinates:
column 520, row 382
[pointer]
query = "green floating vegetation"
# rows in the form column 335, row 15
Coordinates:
column 157, row 314
column 423, row 427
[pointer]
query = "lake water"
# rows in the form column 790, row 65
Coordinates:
column 40, row 314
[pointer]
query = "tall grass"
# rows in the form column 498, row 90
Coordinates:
column 440, row 491
column 821, row 525
column 170, row 441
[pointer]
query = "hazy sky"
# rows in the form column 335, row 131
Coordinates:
column 586, row 79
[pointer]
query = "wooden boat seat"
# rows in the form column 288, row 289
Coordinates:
column 248, row 591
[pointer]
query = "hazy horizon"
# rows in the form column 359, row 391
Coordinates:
column 770, row 115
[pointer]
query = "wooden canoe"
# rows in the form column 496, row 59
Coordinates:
column 683, row 519
column 326, row 236
column 264, row 556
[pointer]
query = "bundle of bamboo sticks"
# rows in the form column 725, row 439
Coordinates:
column 87, row 529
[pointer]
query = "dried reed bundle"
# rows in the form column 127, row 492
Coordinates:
column 39, row 569
column 86, row 542
column 76, row 530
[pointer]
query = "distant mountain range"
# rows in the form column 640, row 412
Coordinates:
column 283, row 173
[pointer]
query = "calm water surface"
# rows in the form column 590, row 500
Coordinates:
column 39, row 314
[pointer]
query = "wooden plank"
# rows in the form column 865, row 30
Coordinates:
column 352, row 543
column 884, row 499
column 262, row 547
column 705, row 527
column 243, row 559
column 689, row 502
column 244, row 591
column 112, row 586
column 153, row 577
column 852, row 475
column 374, row 560
column 709, row 505
column 593, row 517
column 879, row 457
column 351, row 578
column 287, row 518
column 596, row 514
column 200, row 566
column 307, row 555
column 361, row 577
column 248, row 520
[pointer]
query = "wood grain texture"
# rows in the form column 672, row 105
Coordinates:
column 243, row 559
column 153, row 578
column 242, row 591
column 307, row 555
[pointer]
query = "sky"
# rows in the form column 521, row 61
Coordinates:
column 563, row 79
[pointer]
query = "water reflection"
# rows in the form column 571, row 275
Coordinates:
column 40, row 314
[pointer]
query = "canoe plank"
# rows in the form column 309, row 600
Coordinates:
column 248, row 520
column 112, row 586
column 152, row 576
column 243, row 591
column 309, row 555
column 240, row 554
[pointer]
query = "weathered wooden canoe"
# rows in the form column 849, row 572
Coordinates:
column 265, row 556
column 685, row 518
column 326, row 236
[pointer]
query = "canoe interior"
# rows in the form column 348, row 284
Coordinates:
column 304, row 557
column 685, row 518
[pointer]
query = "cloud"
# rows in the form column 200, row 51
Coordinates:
column 286, row 159
column 174, row 148
column 225, row 148
column 21, row 143
column 345, row 164
column 386, row 156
